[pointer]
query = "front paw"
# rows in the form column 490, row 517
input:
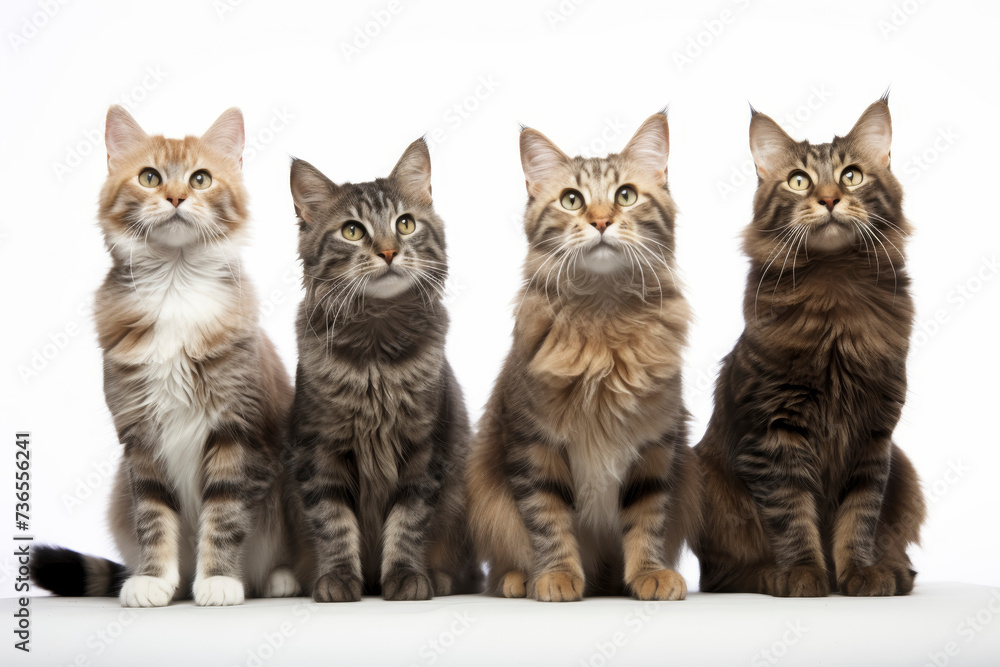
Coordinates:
column 870, row 581
column 802, row 581
column 406, row 585
column 281, row 583
column 659, row 585
column 559, row 587
column 333, row 587
column 514, row 585
column 143, row 591
column 218, row 592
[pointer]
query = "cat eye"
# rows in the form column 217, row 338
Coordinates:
column 626, row 195
column 852, row 176
column 353, row 231
column 149, row 178
column 406, row 224
column 200, row 179
column 799, row 181
column 571, row 200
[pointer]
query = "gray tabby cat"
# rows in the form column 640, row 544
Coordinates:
column 379, row 424
column 197, row 392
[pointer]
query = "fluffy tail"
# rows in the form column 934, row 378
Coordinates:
column 72, row 574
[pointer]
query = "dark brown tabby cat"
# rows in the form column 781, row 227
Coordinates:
column 379, row 423
column 805, row 490
column 581, row 480
column 197, row 392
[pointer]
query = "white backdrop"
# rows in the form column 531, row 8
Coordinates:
column 312, row 84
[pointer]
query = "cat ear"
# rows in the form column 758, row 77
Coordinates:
column 226, row 135
column 650, row 146
column 310, row 190
column 872, row 134
column 539, row 159
column 413, row 171
column 769, row 144
column 121, row 132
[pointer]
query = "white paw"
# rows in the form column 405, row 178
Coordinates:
column 218, row 592
column 142, row 591
column 281, row 583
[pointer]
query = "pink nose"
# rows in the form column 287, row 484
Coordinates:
column 601, row 225
column 176, row 201
column 387, row 255
column 830, row 202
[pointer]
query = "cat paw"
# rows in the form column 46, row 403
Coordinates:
column 333, row 587
column 870, row 581
column 281, row 583
column 218, row 592
column 514, row 585
column 143, row 591
column 659, row 585
column 803, row 581
column 559, row 587
column 407, row 585
column 443, row 584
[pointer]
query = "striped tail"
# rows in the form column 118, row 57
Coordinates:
column 72, row 574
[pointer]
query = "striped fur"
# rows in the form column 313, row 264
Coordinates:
column 805, row 491
column 581, row 481
column 379, row 422
column 198, row 395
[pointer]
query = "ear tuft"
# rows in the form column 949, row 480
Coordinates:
column 649, row 147
column 540, row 159
column 769, row 144
column 226, row 136
column 872, row 134
column 310, row 190
column 122, row 133
column 413, row 171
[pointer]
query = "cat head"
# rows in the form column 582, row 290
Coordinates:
column 595, row 219
column 172, row 193
column 826, row 199
column 379, row 240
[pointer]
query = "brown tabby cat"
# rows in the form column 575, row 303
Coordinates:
column 581, row 480
column 197, row 392
column 379, row 423
column 805, row 490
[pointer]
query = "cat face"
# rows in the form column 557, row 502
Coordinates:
column 172, row 192
column 379, row 240
column 826, row 198
column 591, row 217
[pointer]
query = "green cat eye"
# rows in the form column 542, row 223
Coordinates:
column 406, row 224
column 799, row 181
column 353, row 231
column 149, row 178
column 626, row 195
column 852, row 176
column 200, row 179
column 571, row 200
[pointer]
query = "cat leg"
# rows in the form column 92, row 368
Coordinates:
column 234, row 486
column 495, row 523
column 281, row 583
column 880, row 514
column 156, row 573
column 778, row 472
column 646, row 500
column 542, row 486
column 327, row 483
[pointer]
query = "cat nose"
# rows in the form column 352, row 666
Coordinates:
column 176, row 201
column 601, row 225
column 829, row 202
column 387, row 255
